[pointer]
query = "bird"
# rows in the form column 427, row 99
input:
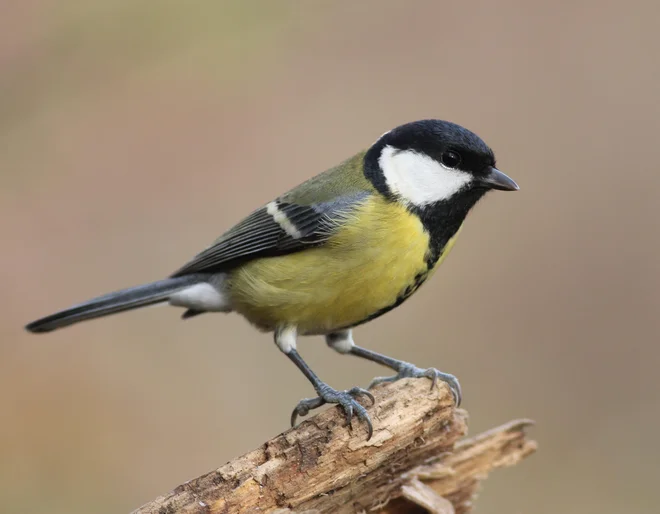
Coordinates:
column 336, row 252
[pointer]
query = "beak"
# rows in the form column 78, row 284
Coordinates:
column 495, row 179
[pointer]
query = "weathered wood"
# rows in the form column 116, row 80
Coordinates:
column 415, row 459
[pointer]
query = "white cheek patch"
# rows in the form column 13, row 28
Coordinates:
column 418, row 179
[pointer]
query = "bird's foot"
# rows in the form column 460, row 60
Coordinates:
column 347, row 400
column 407, row 370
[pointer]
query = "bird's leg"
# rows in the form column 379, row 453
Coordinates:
column 343, row 343
column 285, row 339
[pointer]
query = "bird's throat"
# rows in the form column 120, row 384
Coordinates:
column 444, row 219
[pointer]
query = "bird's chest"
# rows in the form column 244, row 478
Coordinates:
column 378, row 259
column 415, row 264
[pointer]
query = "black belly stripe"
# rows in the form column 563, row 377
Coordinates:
column 402, row 297
column 441, row 221
column 432, row 257
column 434, row 253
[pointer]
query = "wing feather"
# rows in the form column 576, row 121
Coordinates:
column 262, row 235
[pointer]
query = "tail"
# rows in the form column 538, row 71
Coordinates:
column 119, row 301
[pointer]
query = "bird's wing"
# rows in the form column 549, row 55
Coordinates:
column 289, row 224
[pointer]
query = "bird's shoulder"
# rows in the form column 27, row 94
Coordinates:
column 345, row 179
column 304, row 216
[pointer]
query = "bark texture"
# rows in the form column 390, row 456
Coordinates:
column 416, row 461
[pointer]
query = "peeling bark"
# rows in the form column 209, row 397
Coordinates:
column 416, row 461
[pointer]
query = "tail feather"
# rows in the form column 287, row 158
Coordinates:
column 119, row 301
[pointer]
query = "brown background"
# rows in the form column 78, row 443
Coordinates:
column 132, row 133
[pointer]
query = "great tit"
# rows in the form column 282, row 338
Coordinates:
column 335, row 252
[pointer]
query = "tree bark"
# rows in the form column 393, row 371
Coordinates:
column 415, row 462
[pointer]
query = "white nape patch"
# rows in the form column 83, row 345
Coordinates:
column 418, row 179
column 341, row 342
column 382, row 135
column 282, row 220
column 205, row 296
column 285, row 338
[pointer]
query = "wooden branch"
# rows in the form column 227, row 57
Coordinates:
column 414, row 459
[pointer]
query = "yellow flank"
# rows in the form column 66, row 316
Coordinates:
column 362, row 268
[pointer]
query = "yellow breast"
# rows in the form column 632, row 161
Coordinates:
column 372, row 263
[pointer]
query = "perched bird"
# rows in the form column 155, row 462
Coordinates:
column 335, row 252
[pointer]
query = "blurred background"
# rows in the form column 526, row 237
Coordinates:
column 132, row 133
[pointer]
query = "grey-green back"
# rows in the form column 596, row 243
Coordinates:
column 312, row 211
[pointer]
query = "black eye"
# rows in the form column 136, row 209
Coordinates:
column 450, row 159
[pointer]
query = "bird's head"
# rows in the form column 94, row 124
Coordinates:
column 428, row 162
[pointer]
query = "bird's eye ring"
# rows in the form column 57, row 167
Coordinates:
column 450, row 159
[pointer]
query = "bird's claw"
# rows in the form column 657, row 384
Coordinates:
column 346, row 399
column 407, row 370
